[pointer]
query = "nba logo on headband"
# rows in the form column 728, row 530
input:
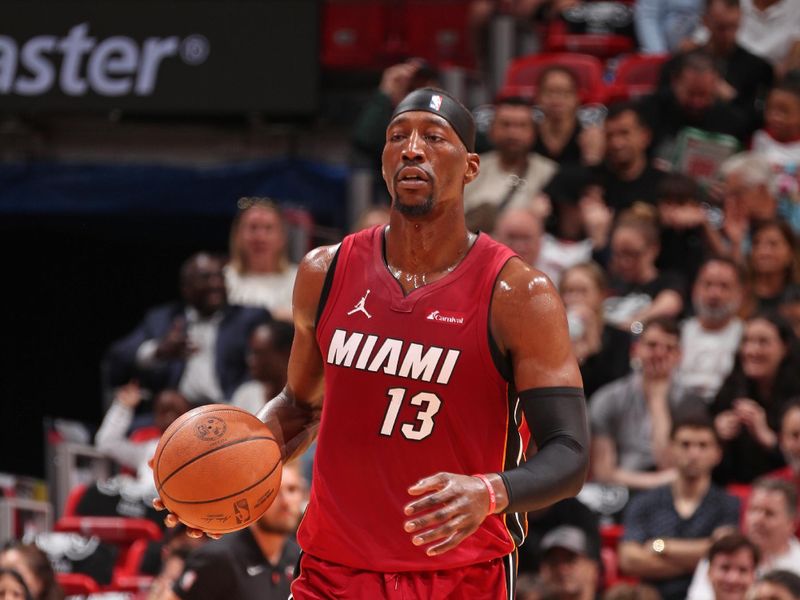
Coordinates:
column 436, row 102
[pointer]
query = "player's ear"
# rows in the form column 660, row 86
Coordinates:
column 473, row 167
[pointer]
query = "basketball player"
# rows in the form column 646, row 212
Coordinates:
column 418, row 348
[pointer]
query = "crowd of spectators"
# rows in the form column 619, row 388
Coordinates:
column 682, row 291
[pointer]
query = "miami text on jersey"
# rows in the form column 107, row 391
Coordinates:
column 392, row 356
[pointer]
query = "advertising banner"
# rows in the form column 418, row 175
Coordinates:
column 159, row 57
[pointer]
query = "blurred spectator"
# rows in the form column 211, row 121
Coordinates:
column 773, row 265
column 603, row 352
column 789, row 442
column 560, row 136
column 197, row 346
column 369, row 131
column 254, row 563
column 631, row 417
column 34, row 567
column 789, row 307
column 374, row 215
column 174, row 562
column 632, row 591
column 639, row 291
column 779, row 141
column 268, row 361
column 745, row 76
column 511, row 175
column 668, row 529
column 732, row 563
column 520, row 230
column 12, row 586
column 688, row 235
column 748, row 406
column 626, row 176
column 124, row 495
column 533, row 588
column 570, row 513
column 662, row 25
column 568, row 564
column 176, row 542
column 777, row 585
column 771, row 30
column 692, row 100
column 259, row 273
column 579, row 223
column 768, row 523
column 748, row 195
column 710, row 339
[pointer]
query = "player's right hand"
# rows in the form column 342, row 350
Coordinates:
column 172, row 520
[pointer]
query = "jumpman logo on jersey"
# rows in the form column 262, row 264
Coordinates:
column 361, row 306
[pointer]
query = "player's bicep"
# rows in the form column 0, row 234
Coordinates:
column 304, row 377
column 530, row 324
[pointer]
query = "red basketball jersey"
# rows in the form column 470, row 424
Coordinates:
column 411, row 389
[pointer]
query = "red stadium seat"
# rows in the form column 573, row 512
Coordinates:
column 74, row 498
column 77, row 584
column 437, row 30
column 600, row 45
column 354, row 34
column 145, row 434
column 524, row 71
column 637, row 75
column 610, row 535
column 114, row 530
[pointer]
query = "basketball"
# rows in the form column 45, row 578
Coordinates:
column 217, row 468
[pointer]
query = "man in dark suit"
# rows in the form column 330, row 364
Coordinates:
column 197, row 346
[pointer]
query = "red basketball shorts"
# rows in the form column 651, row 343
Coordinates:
column 322, row 580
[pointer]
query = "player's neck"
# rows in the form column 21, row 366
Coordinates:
column 270, row 543
column 427, row 245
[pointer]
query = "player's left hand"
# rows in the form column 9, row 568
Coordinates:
column 451, row 508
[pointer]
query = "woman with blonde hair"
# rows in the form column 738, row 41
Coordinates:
column 259, row 272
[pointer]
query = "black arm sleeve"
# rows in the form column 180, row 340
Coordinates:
column 556, row 417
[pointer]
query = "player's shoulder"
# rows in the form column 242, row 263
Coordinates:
column 318, row 261
column 520, row 282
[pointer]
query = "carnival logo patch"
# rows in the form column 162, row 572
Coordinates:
column 453, row 318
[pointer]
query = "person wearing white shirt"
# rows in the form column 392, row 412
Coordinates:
column 259, row 272
column 769, row 523
column 710, row 339
column 770, row 29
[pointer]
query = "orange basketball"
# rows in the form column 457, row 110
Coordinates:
column 218, row 468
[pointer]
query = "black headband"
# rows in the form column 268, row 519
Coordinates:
column 441, row 103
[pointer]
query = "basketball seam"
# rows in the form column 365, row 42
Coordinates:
column 206, row 453
column 277, row 464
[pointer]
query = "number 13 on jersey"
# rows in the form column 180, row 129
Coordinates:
column 429, row 404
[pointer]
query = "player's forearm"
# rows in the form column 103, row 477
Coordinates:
column 294, row 424
column 557, row 418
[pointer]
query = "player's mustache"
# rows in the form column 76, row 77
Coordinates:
column 424, row 168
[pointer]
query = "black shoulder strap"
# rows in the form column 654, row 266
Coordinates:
column 326, row 286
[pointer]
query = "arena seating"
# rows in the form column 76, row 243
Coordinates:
column 603, row 46
column 636, row 75
column 77, row 584
column 524, row 71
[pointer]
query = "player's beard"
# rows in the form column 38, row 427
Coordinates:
column 413, row 210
